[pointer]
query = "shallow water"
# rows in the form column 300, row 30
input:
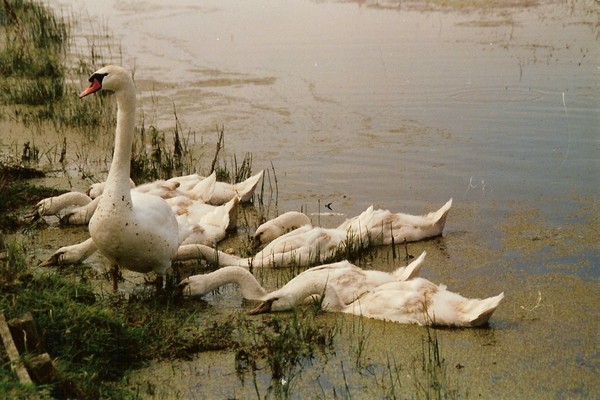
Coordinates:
column 404, row 108
column 396, row 107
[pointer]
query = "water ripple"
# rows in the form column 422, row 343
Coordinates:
column 497, row 95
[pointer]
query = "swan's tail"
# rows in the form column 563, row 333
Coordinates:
column 195, row 251
column 360, row 225
column 224, row 217
column 205, row 188
column 411, row 270
column 478, row 312
column 439, row 217
column 245, row 189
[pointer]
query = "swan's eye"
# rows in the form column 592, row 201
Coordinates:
column 98, row 77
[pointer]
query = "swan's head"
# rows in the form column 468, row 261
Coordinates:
column 265, row 234
column 111, row 77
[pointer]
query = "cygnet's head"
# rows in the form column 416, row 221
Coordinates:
column 290, row 296
column 276, row 227
column 193, row 286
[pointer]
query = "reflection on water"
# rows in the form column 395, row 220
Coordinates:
column 354, row 105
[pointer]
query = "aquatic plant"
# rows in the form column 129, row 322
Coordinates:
column 359, row 339
column 33, row 50
column 285, row 344
column 431, row 378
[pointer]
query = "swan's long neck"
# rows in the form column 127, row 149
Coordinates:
column 213, row 256
column 251, row 289
column 296, row 292
column 199, row 285
column 117, row 183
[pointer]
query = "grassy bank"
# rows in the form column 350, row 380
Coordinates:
column 94, row 339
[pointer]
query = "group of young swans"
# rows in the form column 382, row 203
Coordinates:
column 199, row 225
column 181, row 193
column 399, row 296
column 142, row 230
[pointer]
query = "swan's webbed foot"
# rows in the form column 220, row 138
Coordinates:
column 116, row 275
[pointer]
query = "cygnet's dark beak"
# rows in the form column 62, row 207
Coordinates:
column 262, row 308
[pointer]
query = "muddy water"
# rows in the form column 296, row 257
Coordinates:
column 404, row 107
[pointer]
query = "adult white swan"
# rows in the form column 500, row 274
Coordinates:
column 134, row 230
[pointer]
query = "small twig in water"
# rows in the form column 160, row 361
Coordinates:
column 472, row 186
column 538, row 303
column 568, row 131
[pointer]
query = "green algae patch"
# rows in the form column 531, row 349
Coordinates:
column 547, row 246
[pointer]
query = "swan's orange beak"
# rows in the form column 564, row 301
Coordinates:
column 95, row 85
